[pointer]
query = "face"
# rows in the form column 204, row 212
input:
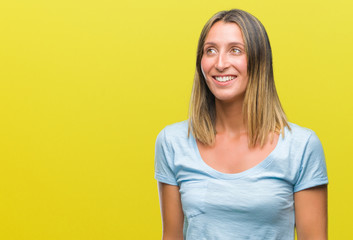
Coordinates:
column 224, row 62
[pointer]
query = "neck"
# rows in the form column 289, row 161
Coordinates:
column 229, row 118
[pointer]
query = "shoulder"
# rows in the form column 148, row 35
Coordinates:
column 301, row 140
column 299, row 134
column 179, row 128
column 309, row 158
column 175, row 132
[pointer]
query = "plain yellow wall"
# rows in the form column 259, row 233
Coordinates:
column 85, row 87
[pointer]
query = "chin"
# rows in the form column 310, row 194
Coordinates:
column 228, row 99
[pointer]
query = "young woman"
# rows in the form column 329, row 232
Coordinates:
column 237, row 169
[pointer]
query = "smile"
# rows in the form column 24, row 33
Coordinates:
column 224, row 78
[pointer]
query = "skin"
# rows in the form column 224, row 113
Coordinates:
column 172, row 213
column 225, row 56
column 311, row 213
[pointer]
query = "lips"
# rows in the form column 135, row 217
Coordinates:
column 224, row 79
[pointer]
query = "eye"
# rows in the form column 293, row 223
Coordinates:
column 210, row 51
column 236, row 51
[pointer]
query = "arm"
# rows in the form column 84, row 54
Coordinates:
column 171, row 210
column 311, row 213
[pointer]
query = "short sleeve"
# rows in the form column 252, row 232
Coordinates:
column 163, row 165
column 312, row 171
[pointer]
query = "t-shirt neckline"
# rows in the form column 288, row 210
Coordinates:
column 258, row 167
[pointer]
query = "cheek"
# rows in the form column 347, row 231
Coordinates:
column 245, row 68
column 241, row 64
column 205, row 65
column 244, row 65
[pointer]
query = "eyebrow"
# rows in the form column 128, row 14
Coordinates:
column 231, row 43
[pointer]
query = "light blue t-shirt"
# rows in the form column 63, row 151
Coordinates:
column 253, row 204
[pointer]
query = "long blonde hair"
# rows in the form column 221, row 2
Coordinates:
column 262, row 110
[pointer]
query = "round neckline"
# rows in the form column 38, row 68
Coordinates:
column 218, row 174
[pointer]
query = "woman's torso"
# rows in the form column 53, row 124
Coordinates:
column 232, row 154
column 256, row 203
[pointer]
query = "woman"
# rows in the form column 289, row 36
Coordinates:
column 238, row 169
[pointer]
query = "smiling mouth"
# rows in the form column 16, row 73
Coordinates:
column 224, row 78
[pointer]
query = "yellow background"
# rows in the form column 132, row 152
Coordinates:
column 85, row 87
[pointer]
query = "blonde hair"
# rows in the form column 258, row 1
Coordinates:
column 262, row 110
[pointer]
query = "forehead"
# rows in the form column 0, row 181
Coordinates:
column 222, row 32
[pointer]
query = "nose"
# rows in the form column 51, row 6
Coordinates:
column 222, row 62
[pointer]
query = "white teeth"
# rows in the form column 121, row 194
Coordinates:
column 224, row 79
